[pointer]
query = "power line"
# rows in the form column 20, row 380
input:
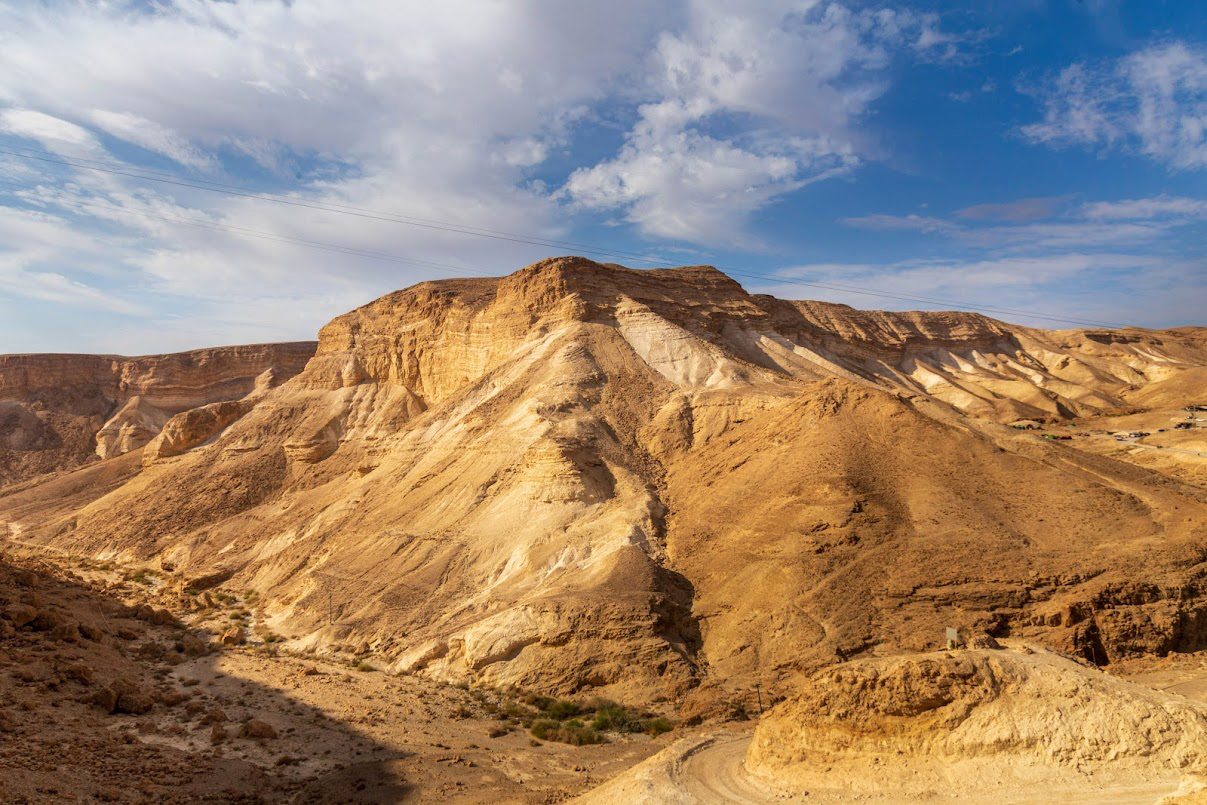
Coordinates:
column 333, row 207
column 460, row 229
column 273, row 236
column 925, row 300
column 233, row 190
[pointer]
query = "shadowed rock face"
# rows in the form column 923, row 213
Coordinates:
column 1005, row 717
column 57, row 410
column 588, row 476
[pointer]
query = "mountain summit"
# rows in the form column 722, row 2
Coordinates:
column 587, row 476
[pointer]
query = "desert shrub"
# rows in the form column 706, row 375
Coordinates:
column 578, row 723
column 572, row 732
column 365, row 666
column 561, row 709
column 612, row 717
column 519, row 713
column 657, row 726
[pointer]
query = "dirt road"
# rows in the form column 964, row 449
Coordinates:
column 716, row 772
column 1166, row 449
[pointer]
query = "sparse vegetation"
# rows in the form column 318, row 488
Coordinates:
column 571, row 732
column 566, row 721
column 657, row 726
column 365, row 666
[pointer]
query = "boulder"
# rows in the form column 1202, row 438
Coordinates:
column 47, row 620
column 234, row 636
column 19, row 614
column 194, row 646
column 131, row 698
column 255, row 728
column 161, row 617
column 78, row 672
column 208, row 581
column 984, row 641
column 106, row 699
column 65, row 632
column 91, row 633
column 215, row 715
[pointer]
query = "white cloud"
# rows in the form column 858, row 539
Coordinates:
column 1153, row 101
column 902, row 223
column 1012, row 225
column 1144, row 208
column 790, row 78
column 441, row 111
column 1108, row 261
column 1144, row 289
column 52, row 133
column 151, row 136
column 32, row 246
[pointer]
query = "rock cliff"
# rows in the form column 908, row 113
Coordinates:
column 56, row 411
column 586, row 476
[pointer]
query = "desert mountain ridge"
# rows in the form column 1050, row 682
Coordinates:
column 583, row 476
column 58, row 411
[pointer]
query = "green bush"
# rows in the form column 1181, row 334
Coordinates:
column 573, row 732
column 657, row 726
column 552, row 719
column 612, row 717
column 561, row 709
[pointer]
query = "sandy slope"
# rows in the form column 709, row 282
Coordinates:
column 968, row 726
column 60, row 411
column 583, row 476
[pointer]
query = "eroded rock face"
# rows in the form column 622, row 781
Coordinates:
column 190, row 428
column 135, row 423
column 56, row 411
column 587, row 476
column 1022, row 715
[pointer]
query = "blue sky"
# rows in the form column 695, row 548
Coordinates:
column 1045, row 157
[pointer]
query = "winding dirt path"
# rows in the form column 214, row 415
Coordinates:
column 715, row 771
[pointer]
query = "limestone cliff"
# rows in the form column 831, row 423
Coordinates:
column 583, row 475
column 57, row 410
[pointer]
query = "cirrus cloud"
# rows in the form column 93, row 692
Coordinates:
column 1153, row 102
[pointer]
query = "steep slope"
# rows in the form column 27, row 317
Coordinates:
column 1015, row 726
column 993, row 370
column 979, row 724
column 584, row 475
column 849, row 518
column 57, row 411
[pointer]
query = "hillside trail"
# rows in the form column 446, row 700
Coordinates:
column 1135, row 443
column 715, row 771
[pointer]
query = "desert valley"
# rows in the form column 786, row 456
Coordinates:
column 585, row 531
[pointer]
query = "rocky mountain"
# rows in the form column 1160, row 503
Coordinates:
column 61, row 411
column 586, row 476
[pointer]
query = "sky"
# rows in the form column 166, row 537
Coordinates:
column 186, row 173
